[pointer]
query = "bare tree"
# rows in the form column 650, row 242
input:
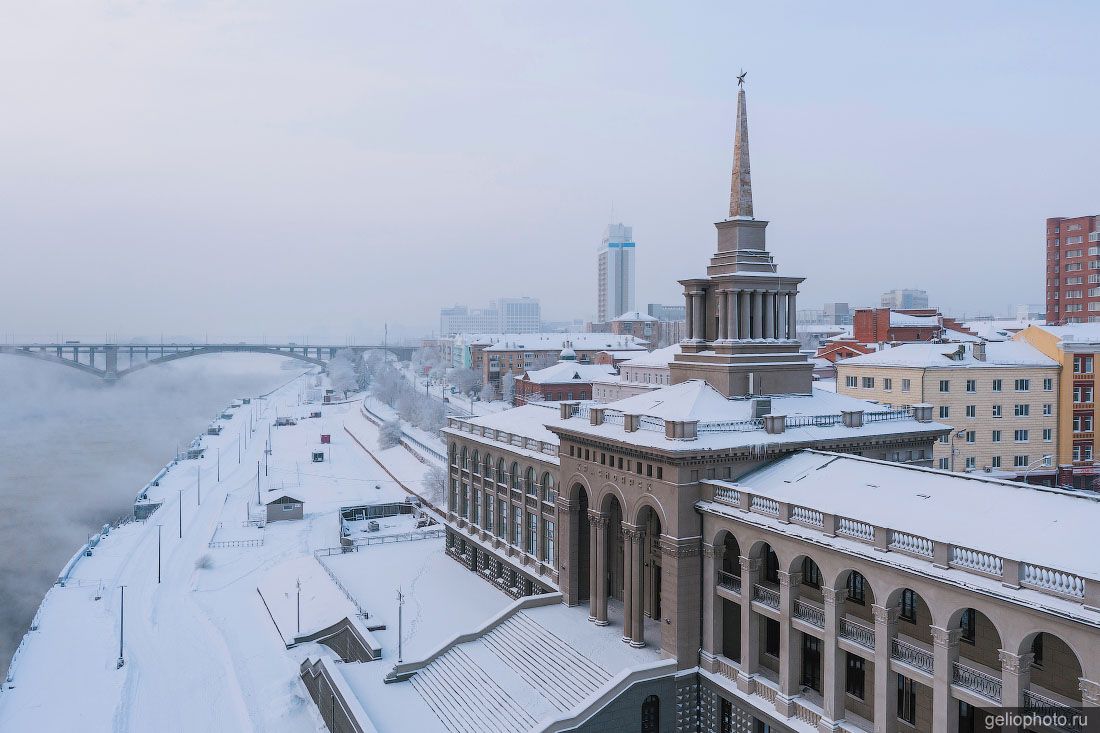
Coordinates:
column 435, row 484
column 465, row 380
column 389, row 435
column 508, row 387
column 488, row 392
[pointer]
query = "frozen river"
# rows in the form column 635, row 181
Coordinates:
column 74, row 452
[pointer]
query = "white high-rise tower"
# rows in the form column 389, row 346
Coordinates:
column 615, row 288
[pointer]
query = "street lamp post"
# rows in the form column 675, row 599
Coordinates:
column 955, row 450
column 121, row 625
column 1036, row 464
column 181, row 513
column 158, row 552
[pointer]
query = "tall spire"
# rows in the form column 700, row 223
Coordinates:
column 741, row 185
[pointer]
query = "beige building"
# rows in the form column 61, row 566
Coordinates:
column 1001, row 399
column 640, row 373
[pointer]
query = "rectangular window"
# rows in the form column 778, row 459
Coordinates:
column 811, row 574
column 907, row 700
column 908, row 610
column 1048, row 409
column 850, row 381
column 945, row 385
column 966, row 623
column 905, row 384
column 971, row 385
column 855, row 676
column 1082, row 365
column 945, row 464
column 1023, row 385
column 1022, row 410
column 771, row 637
column 996, row 436
column 971, row 463
column 971, row 410
column 971, row 436
column 945, row 412
column 488, row 513
column 868, row 382
column 502, row 518
column 996, row 410
column 996, row 461
column 517, row 526
column 1020, row 436
column 532, row 533
column 1019, row 461
column 855, row 588
column 1048, row 435
column 660, row 473
column 887, row 383
column 475, row 517
column 996, row 385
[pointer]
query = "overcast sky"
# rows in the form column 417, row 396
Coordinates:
column 318, row 168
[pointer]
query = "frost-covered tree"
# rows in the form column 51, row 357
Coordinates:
column 435, row 484
column 488, row 392
column 389, row 435
column 508, row 387
column 341, row 371
column 465, row 380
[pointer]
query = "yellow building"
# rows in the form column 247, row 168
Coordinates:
column 1001, row 399
column 1074, row 348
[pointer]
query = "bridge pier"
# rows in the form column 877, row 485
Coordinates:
column 110, row 356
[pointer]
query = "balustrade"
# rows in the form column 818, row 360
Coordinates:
column 1052, row 580
column 855, row 528
column 857, row 632
column 977, row 681
column 727, row 495
column 768, row 596
column 910, row 543
column 729, row 581
column 805, row 515
column 811, row 614
column 764, row 505
column 912, row 655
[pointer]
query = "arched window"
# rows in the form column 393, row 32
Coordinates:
column 488, row 468
column 515, row 476
column 500, row 471
column 651, row 714
column 454, row 454
column 548, row 491
column 529, row 479
column 465, row 462
column 476, row 462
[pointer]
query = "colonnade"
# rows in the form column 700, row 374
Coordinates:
column 634, row 543
column 743, row 313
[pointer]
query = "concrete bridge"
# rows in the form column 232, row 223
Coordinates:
column 111, row 362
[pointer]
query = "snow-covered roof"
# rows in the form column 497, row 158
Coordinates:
column 960, row 336
column 730, row 423
column 944, row 356
column 904, row 319
column 656, row 358
column 821, row 328
column 528, row 421
column 1079, row 333
column 999, row 329
column 569, row 371
column 969, row 510
column 634, row 316
column 558, row 341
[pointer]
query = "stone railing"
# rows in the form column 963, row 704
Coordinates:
column 1041, row 703
column 764, row 689
column 729, row 581
column 808, row 612
column 1013, row 573
column 647, row 422
column 802, row 711
column 977, row 681
column 501, row 436
column 910, row 543
column 768, row 596
column 910, row 654
column 859, row 633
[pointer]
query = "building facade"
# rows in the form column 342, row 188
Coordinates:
column 1001, row 400
column 517, row 353
column 1074, row 348
column 505, row 315
column 615, row 273
column 1073, row 269
column 904, row 299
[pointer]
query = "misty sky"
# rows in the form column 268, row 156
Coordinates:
column 316, row 168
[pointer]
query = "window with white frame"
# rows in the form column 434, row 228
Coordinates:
column 1020, row 436
column 1020, row 461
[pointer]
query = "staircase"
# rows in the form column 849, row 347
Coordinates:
column 561, row 674
column 508, row 679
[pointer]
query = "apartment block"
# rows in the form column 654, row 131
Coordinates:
column 1073, row 269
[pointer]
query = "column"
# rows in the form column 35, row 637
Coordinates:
column 699, row 313
column 637, row 625
column 769, row 315
column 568, row 549
column 790, row 650
column 781, row 315
column 713, row 607
column 628, row 582
column 945, row 650
column 833, row 668
column 750, row 626
column 886, row 690
column 1015, row 677
column 720, row 310
column 735, row 314
column 744, row 298
column 598, row 609
column 689, row 302
column 792, row 316
column 757, row 314
column 593, row 563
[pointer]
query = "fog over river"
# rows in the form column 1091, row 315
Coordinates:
column 74, row 452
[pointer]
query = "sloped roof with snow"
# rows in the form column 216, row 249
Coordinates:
column 528, row 421
column 970, row 510
column 634, row 316
column 904, row 319
column 944, row 356
column 656, row 358
column 1075, row 332
column 569, row 371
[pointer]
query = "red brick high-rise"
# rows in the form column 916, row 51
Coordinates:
column 1073, row 269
